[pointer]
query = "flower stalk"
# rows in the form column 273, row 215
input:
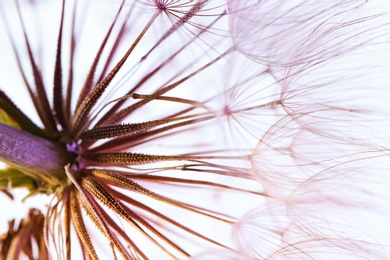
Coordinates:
column 41, row 159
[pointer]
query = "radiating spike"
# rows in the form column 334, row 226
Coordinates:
column 82, row 111
column 140, row 205
column 93, row 210
column 143, row 137
column 107, row 199
column 82, row 232
column 42, row 101
column 123, row 182
column 67, row 219
column 113, row 116
column 123, row 234
column 57, row 82
column 69, row 87
column 89, row 80
column 183, row 20
column 128, row 129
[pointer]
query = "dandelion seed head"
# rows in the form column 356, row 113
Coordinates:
column 195, row 129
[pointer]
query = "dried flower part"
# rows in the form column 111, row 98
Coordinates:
column 26, row 239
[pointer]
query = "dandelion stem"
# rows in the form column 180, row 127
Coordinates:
column 37, row 157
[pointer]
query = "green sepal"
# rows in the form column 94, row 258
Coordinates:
column 11, row 178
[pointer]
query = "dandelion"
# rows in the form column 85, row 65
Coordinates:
column 191, row 129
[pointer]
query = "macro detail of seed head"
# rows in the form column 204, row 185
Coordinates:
column 170, row 129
